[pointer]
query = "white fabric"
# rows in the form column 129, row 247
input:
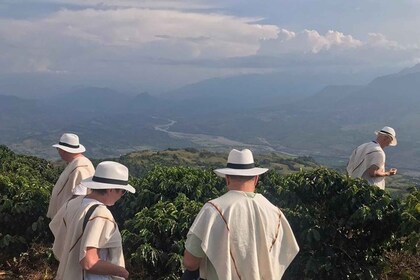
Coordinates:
column 77, row 170
column 103, row 253
column 80, row 189
column 71, row 242
column 362, row 158
column 244, row 237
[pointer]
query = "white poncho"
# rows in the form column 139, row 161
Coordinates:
column 244, row 237
column 77, row 170
column 70, row 242
column 362, row 158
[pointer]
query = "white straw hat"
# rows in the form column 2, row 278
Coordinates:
column 109, row 175
column 240, row 163
column 69, row 142
column 389, row 131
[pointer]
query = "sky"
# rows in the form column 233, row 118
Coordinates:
column 159, row 45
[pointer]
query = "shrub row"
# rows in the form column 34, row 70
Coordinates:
column 343, row 226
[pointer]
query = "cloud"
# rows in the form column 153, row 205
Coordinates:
column 310, row 48
column 178, row 42
column 307, row 41
column 68, row 35
column 112, row 4
column 379, row 40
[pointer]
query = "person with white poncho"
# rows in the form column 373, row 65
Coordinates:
column 78, row 168
column 239, row 235
column 368, row 160
column 87, row 239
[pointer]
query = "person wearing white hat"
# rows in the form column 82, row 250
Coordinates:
column 367, row 161
column 87, row 239
column 239, row 235
column 78, row 168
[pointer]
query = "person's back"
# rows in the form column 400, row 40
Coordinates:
column 249, row 230
column 239, row 235
column 367, row 161
column 68, row 231
column 88, row 245
column 78, row 168
column 68, row 184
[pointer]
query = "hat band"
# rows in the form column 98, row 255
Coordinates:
column 240, row 166
column 109, row 181
column 68, row 145
column 386, row 132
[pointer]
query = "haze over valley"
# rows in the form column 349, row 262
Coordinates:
column 311, row 78
column 217, row 115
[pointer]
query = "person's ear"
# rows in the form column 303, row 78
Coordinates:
column 227, row 179
column 256, row 180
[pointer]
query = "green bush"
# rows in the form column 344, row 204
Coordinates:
column 154, row 239
column 410, row 225
column 25, row 186
column 165, row 183
column 342, row 225
column 159, row 215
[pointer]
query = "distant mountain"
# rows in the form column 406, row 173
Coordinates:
column 414, row 69
column 108, row 122
column 238, row 93
column 304, row 115
column 141, row 162
column 332, row 122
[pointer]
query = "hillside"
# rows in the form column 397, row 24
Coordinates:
column 333, row 217
column 271, row 113
column 141, row 162
column 330, row 124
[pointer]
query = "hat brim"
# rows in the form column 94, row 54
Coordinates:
column 394, row 141
column 88, row 183
column 222, row 172
column 81, row 148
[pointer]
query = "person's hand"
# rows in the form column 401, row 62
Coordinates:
column 124, row 273
column 392, row 171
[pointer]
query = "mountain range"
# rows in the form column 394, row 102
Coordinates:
column 307, row 116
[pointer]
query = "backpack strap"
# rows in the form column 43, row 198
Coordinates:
column 88, row 214
column 85, row 221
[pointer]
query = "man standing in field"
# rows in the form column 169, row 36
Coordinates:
column 78, row 168
column 239, row 235
column 368, row 160
column 87, row 239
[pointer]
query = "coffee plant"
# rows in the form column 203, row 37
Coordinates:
column 342, row 225
column 154, row 239
column 25, row 186
column 410, row 222
column 164, row 207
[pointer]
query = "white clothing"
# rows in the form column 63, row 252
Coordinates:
column 244, row 237
column 71, row 242
column 77, row 170
column 362, row 158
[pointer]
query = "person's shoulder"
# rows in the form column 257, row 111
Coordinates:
column 82, row 160
column 77, row 201
column 229, row 197
column 265, row 203
column 103, row 212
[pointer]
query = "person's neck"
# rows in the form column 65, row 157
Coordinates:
column 382, row 144
column 241, row 187
column 73, row 157
column 96, row 196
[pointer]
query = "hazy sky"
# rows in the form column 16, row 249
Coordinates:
column 157, row 45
